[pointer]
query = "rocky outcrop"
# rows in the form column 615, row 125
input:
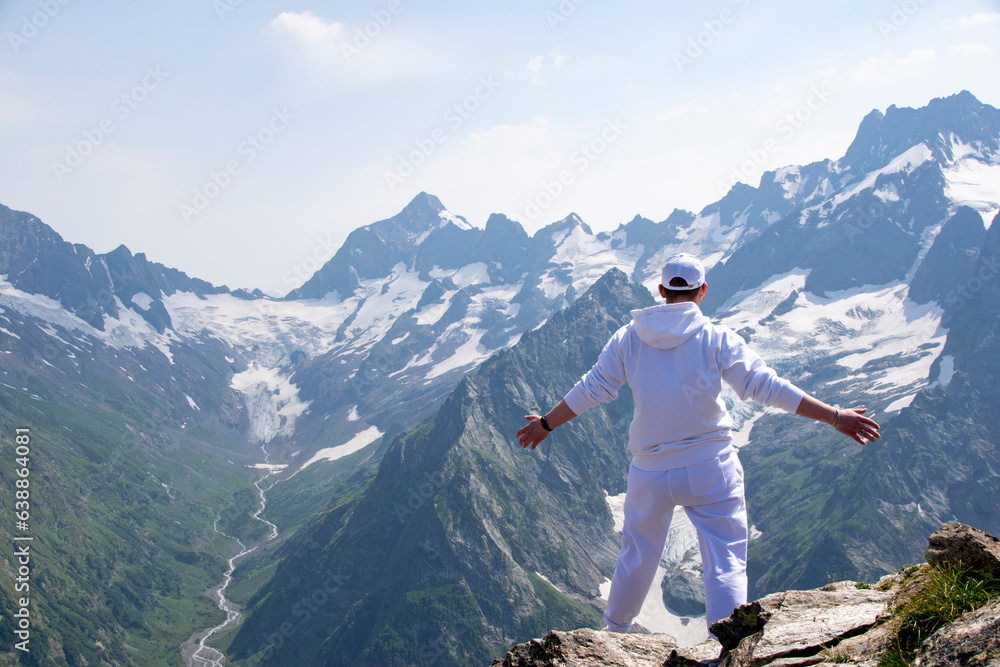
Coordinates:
column 844, row 622
column 798, row 624
column 965, row 546
column 583, row 648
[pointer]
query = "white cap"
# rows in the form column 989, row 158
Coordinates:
column 686, row 267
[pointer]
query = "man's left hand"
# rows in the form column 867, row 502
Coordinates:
column 533, row 433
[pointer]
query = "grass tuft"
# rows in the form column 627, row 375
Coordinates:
column 837, row 655
column 950, row 592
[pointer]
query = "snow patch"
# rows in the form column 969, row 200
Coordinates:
column 355, row 444
column 588, row 257
column 468, row 354
column 947, row 370
column 447, row 216
column 470, row 274
column 272, row 402
column 759, row 301
column 465, row 334
column 907, row 161
column 617, row 506
column 887, row 193
column 974, row 183
column 883, row 339
column 129, row 330
column 273, row 467
column 900, row 403
column 740, row 434
column 429, row 315
column 546, row 580
column 790, row 180
column 277, row 329
column 142, row 300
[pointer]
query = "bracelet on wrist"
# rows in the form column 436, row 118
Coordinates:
column 545, row 425
column 836, row 420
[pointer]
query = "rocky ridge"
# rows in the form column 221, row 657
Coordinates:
column 842, row 622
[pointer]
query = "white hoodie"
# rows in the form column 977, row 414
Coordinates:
column 675, row 360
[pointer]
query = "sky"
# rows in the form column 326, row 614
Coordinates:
column 241, row 141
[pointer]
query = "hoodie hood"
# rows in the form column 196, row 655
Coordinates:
column 668, row 325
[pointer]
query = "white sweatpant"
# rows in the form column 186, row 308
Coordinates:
column 712, row 495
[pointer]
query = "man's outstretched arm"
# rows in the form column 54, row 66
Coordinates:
column 533, row 433
column 851, row 423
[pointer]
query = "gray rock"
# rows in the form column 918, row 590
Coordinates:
column 798, row 624
column 971, row 641
column 684, row 593
column 964, row 546
column 705, row 654
column 589, row 648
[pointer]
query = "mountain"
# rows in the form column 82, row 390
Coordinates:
column 462, row 533
column 184, row 417
column 36, row 260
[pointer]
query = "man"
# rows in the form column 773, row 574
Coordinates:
column 675, row 361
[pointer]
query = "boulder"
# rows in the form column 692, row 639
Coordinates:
column 964, row 546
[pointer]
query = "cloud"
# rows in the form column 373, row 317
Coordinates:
column 917, row 57
column 678, row 111
column 373, row 51
column 537, row 64
column 307, row 31
column 535, row 68
column 874, row 70
column 530, row 141
column 970, row 50
column 972, row 21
